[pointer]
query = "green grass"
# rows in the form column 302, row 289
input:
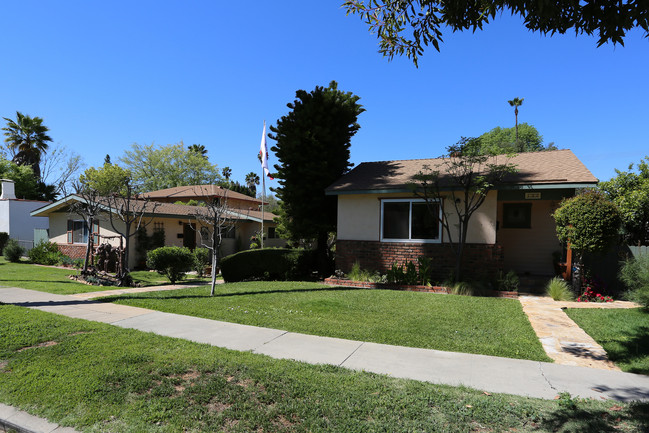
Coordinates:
column 42, row 278
column 99, row 378
column 487, row 326
column 623, row 333
column 147, row 278
column 55, row 280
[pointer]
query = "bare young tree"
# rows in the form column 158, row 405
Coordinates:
column 456, row 188
column 89, row 208
column 59, row 167
column 212, row 221
column 131, row 210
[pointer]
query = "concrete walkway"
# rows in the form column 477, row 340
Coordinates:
column 488, row 373
column 562, row 339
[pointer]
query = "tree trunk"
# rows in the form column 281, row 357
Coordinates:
column 88, row 246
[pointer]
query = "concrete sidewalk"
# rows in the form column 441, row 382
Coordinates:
column 487, row 373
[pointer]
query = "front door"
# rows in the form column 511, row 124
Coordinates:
column 189, row 237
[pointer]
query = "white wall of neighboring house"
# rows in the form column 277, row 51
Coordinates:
column 15, row 219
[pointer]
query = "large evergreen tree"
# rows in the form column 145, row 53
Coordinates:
column 313, row 142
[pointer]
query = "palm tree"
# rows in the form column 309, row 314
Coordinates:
column 516, row 102
column 252, row 180
column 227, row 172
column 198, row 148
column 27, row 139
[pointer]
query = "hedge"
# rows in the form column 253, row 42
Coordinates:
column 269, row 264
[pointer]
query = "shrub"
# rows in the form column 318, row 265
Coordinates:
column 589, row 221
column 45, row 253
column 269, row 264
column 202, row 259
column 425, row 270
column 13, row 251
column 172, row 262
column 395, row 274
column 635, row 276
column 4, row 237
column 467, row 288
column 509, row 282
column 559, row 290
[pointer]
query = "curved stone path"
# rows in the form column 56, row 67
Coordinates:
column 564, row 341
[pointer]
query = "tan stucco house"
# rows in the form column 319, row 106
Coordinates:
column 381, row 221
column 178, row 222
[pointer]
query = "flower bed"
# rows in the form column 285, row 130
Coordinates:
column 431, row 289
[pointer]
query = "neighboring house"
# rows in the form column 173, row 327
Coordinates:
column 380, row 218
column 14, row 215
column 235, row 200
column 177, row 222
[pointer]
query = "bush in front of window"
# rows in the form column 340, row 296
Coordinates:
column 45, row 253
column 269, row 264
column 13, row 251
column 202, row 259
column 172, row 262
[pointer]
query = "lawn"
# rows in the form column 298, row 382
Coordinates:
column 488, row 326
column 623, row 333
column 55, row 280
column 100, row 378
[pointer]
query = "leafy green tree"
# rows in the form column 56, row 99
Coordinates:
column 159, row 167
column 27, row 138
column 516, row 102
column 503, row 140
column 629, row 190
column 313, row 142
column 227, row 173
column 590, row 223
column 409, row 26
column 25, row 183
column 456, row 189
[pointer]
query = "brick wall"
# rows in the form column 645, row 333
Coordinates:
column 73, row 251
column 481, row 261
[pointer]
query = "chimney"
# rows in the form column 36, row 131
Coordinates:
column 8, row 192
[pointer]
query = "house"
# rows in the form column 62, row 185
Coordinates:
column 176, row 221
column 15, row 219
column 381, row 221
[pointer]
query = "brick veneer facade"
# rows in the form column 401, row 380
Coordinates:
column 480, row 260
column 73, row 251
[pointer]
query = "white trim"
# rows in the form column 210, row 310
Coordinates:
column 410, row 240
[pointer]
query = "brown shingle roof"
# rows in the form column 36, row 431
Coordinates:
column 554, row 167
column 197, row 191
column 153, row 208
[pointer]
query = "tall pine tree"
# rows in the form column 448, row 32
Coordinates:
column 313, row 142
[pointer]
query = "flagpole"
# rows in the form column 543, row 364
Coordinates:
column 263, row 199
column 263, row 187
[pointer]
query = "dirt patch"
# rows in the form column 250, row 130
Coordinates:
column 3, row 366
column 37, row 346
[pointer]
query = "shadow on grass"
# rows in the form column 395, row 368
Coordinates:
column 584, row 420
column 634, row 348
column 226, row 295
column 41, row 281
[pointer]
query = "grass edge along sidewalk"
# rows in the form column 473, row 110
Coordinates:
column 485, row 326
column 102, row 378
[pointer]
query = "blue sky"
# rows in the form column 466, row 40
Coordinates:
column 104, row 75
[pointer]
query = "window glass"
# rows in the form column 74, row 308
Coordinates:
column 79, row 232
column 424, row 225
column 517, row 215
column 396, row 217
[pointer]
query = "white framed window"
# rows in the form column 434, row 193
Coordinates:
column 78, row 232
column 410, row 220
